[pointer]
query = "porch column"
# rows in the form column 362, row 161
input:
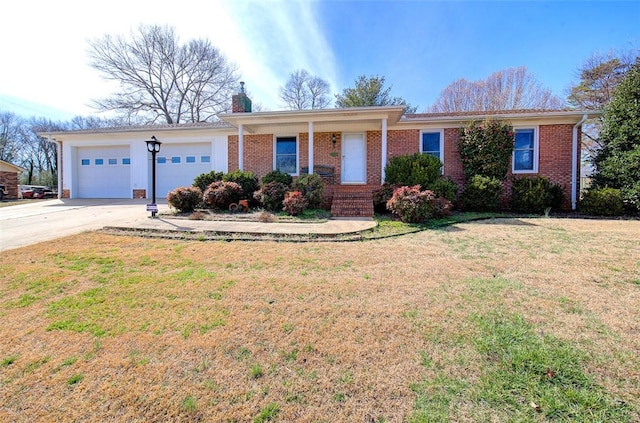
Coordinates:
column 383, row 160
column 240, row 147
column 310, row 148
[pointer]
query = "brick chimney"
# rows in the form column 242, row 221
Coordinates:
column 240, row 103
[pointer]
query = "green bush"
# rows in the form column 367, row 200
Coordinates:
column 185, row 199
column 277, row 176
column 534, row 195
column 294, row 203
column 271, row 195
column 482, row 193
column 602, row 202
column 220, row 194
column 247, row 181
column 412, row 205
column 416, row 169
column 312, row 187
column 203, row 180
column 485, row 148
column 444, row 187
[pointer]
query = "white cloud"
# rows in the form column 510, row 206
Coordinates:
column 46, row 61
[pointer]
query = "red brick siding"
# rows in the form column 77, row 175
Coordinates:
column 233, row 152
column 322, row 151
column 10, row 182
column 452, row 161
column 258, row 154
column 137, row 193
column 403, row 142
column 374, row 153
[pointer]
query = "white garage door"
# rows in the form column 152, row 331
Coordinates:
column 104, row 172
column 178, row 164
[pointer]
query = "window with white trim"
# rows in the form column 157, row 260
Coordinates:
column 190, row 159
column 85, row 162
column 525, row 151
column 112, row 161
column 286, row 155
column 161, row 160
column 431, row 142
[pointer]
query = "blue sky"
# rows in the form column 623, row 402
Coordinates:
column 419, row 46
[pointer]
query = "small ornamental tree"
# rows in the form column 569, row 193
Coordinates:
column 485, row 148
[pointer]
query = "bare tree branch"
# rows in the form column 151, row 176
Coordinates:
column 162, row 80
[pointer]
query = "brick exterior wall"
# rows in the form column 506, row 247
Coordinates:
column 139, row 193
column 554, row 154
column 66, row 193
column 10, row 182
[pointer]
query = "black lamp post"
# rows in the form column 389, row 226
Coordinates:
column 153, row 145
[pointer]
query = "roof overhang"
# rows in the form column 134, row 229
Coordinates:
column 515, row 117
column 324, row 120
column 10, row 167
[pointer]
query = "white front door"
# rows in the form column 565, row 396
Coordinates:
column 353, row 159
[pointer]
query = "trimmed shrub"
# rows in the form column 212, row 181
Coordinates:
column 416, row 169
column 312, row 187
column 185, row 199
column 220, row 194
column 382, row 196
column 482, row 193
column 294, row 203
column 602, row 202
column 271, row 195
column 277, row 176
column 203, row 180
column 247, row 181
column 485, row 148
column 412, row 205
column 534, row 195
column 444, row 187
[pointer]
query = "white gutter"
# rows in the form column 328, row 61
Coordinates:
column 58, row 162
column 574, row 163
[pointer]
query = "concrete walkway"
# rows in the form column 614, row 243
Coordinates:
column 335, row 226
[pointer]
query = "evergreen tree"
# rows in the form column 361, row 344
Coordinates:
column 618, row 161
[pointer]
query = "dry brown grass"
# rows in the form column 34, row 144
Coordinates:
column 339, row 331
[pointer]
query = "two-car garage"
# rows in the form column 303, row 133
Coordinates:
column 117, row 171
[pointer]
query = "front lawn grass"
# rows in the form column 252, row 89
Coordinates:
column 502, row 319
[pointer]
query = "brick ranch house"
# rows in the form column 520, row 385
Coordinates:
column 350, row 147
column 9, row 178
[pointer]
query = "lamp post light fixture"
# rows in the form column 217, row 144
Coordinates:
column 153, row 146
column 333, row 140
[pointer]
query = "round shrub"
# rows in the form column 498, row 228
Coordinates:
column 277, row 176
column 185, row 199
column 271, row 195
column 482, row 193
column 203, row 180
column 534, row 195
column 416, row 169
column 247, row 180
column 312, row 187
column 294, row 203
column 602, row 202
column 444, row 187
column 412, row 205
column 220, row 194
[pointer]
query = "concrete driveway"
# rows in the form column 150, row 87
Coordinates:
column 33, row 222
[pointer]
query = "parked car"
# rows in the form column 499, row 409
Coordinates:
column 43, row 192
column 25, row 191
column 3, row 192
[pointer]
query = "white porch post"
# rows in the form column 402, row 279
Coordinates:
column 310, row 148
column 384, row 149
column 240, row 147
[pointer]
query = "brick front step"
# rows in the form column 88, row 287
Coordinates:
column 352, row 201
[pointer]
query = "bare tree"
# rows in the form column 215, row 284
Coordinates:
column 509, row 89
column 9, row 136
column 162, row 80
column 304, row 91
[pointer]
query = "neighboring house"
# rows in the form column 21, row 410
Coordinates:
column 9, row 178
column 353, row 144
